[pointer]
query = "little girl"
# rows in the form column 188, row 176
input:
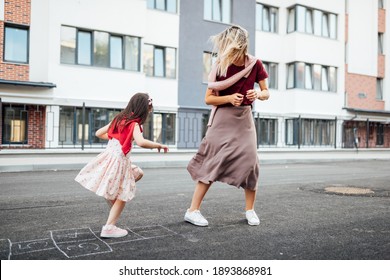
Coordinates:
column 111, row 174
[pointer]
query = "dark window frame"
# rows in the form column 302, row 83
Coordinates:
column 21, row 27
column 91, row 53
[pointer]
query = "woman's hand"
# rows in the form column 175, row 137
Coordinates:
column 252, row 95
column 164, row 147
column 236, row 99
column 264, row 94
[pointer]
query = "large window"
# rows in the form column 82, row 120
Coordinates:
column 159, row 61
column 15, row 120
column 312, row 21
column 217, row 10
column 311, row 76
column 16, row 44
column 163, row 5
column 310, row 132
column 266, row 18
column 73, row 122
column 97, row 48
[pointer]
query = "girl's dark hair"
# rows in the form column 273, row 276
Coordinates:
column 139, row 106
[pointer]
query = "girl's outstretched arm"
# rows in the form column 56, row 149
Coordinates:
column 145, row 143
column 102, row 132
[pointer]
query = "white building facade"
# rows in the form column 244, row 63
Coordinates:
column 68, row 66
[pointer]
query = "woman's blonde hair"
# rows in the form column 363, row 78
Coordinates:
column 229, row 46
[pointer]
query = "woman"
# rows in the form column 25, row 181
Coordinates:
column 228, row 152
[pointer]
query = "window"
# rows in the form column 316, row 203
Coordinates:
column 116, row 55
column 208, row 61
column 266, row 18
column 380, row 133
column 312, row 76
column 84, row 48
column 16, row 44
column 132, row 53
column 272, row 70
column 72, row 124
column 15, row 122
column 102, row 49
column 217, row 10
column 163, row 5
column 266, row 131
column 161, row 127
column 159, row 61
column 380, row 43
column 379, row 89
column 68, row 45
column 312, row 21
column 310, row 132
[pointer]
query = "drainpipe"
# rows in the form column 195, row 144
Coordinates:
column 299, row 132
column 83, row 128
column 335, row 132
column 367, row 132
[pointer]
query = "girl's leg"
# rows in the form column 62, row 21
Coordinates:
column 199, row 193
column 115, row 212
column 110, row 230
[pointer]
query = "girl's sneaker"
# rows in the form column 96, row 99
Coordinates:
column 111, row 231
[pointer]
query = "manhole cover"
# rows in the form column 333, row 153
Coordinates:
column 349, row 190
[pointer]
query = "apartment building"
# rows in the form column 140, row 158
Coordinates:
column 68, row 66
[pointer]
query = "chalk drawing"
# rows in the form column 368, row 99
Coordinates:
column 79, row 242
column 5, row 249
column 38, row 245
column 75, row 243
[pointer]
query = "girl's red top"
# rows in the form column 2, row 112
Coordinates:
column 123, row 133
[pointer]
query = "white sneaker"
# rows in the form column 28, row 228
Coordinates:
column 195, row 218
column 111, row 231
column 252, row 218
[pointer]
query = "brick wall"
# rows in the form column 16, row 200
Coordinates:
column 36, row 126
column 355, row 84
column 15, row 12
column 381, row 20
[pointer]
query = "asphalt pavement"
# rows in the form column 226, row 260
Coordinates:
column 309, row 211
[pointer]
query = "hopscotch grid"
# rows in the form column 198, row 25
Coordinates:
column 142, row 237
column 23, row 251
column 146, row 238
column 83, row 240
column 56, row 245
column 33, row 251
column 76, row 256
